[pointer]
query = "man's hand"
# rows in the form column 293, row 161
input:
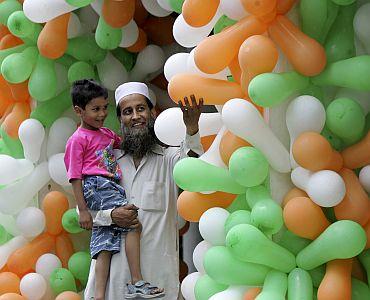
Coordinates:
column 125, row 216
column 85, row 220
column 191, row 114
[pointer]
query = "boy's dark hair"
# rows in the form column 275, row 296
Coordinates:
column 118, row 108
column 83, row 91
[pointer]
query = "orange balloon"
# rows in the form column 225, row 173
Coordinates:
column 305, row 54
column 294, row 192
column 257, row 55
column 6, row 97
column 229, row 143
column 358, row 155
column 159, row 30
column 20, row 112
column 252, row 293
column 118, row 13
column 64, row 248
column 53, row 39
column 191, row 205
column 313, row 152
column 68, row 295
column 19, row 91
column 140, row 44
column 54, row 205
column 9, row 283
column 12, row 296
column 283, row 6
column 235, row 69
column 140, row 13
column 358, row 270
column 304, row 218
column 367, row 231
column 23, row 260
column 263, row 9
column 216, row 52
column 207, row 141
column 198, row 13
column 9, row 41
column 3, row 31
column 336, row 283
column 355, row 205
column 7, row 112
column 213, row 91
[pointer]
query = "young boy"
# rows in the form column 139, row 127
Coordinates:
column 94, row 174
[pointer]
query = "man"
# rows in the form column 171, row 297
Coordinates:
column 147, row 179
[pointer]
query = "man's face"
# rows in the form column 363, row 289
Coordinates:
column 135, row 112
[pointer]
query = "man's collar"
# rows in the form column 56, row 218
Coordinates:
column 157, row 149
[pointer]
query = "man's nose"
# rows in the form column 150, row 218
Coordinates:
column 135, row 115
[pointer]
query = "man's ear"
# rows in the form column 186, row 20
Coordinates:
column 154, row 113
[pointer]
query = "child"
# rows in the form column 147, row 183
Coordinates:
column 94, row 173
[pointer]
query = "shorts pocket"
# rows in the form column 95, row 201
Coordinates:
column 153, row 196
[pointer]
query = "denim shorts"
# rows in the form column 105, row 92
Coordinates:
column 103, row 193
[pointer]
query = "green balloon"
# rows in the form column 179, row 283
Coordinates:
column 7, row 7
column 70, row 221
column 367, row 123
column 206, row 178
column 206, row 287
column 274, row 287
column 300, row 285
column 43, row 81
column 20, row 26
column 314, row 91
column 351, row 73
column 6, row 52
column 341, row 240
column 248, row 166
column 222, row 23
column 236, row 218
column 14, row 146
column 317, row 275
column 265, row 252
column 343, row 2
column 66, row 60
column 127, row 59
column 80, row 70
column 270, row 89
column 79, row 265
column 4, row 235
column 106, row 36
column 85, row 48
column 225, row 268
column 17, row 67
column 293, row 243
column 333, row 139
column 62, row 280
column 364, row 258
column 176, row 5
column 360, row 290
column 79, row 3
column 48, row 111
column 346, row 118
column 239, row 203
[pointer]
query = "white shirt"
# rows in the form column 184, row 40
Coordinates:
column 151, row 188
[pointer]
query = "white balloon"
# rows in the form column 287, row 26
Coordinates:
column 149, row 60
column 170, row 128
column 233, row 9
column 57, row 169
column 212, row 225
column 89, row 18
column 9, row 247
column 15, row 197
column 198, row 255
column 188, row 285
column 46, row 264
column 74, row 26
column 300, row 177
column 13, row 169
column 33, row 286
column 165, row 5
column 361, row 24
column 176, row 64
column 42, row 11
column 364, row 177
column 130, row 34
column 111, row 72
column 31, row 134
column 31, row 221
column 59, row 133
column 9, row 223
column 245, row 121
column 193, row 68
column 155, row 9
column 212, row 155
column 232, row 293
column 180, row 222
column 97, row 6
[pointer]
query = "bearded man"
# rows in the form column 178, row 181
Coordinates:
column 147, row 169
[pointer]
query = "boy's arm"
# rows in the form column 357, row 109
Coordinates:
column 85, row 218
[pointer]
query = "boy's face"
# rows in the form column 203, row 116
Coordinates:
column 94, row 114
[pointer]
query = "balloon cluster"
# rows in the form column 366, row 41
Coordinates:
column 316, row 243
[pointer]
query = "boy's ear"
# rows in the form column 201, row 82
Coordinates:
column 77, row 109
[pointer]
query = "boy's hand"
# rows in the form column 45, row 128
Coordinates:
column 85, row 220
column 191, row 114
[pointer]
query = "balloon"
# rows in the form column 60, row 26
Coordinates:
column 236, row 218
column 300, row 285
column 212, row 155
column 54, row 205
column 49, row 10
column 22, row 27
column 13, row 169
column 341, row 240
column 360, row 25
column 223, row 267
column 57, row 169
column 233, row 9
column 176, row 64
column 139, row 44
column 70, row 221
column 232, row 293
column 343, row 2
column 155, row 9
column 207, row 178
column 62, row 280
column 6, row 52
column 118, row 13
column 274, row 287
column 31, row 134
column 106, row 36
column 33, row 286
column 9, row 247
column 85, row 48
column 68, row 295
column 4, row 235
column 239, row 203
column 198, row 255
column 364, row 258
column 359, row 290
column 271, row 89
column 223, row 23
column 20, row 113
column 229, row 143
column 111, row 72
column 207, row 287
column 31, row 221
column 12, row 296
column 64, row 248
column 252, row 293
column 292, row 242
column 244, row 120
column 10, row 41
column 7, row 8
column 294, row 192
column 338, row 274
column 130, row 34
column 364, row 178
column 19, row 91
column 199, row 13
column 176, row 5
column 126, row 58
column 79, row 265
column 357, row 155
column 212, row 224
column 188, row 285
column 46, row 264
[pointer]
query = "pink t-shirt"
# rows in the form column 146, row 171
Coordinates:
column 90, row 152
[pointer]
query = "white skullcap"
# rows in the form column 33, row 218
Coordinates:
column 130, row 88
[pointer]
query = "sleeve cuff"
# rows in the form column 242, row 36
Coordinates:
column 192, row 142
column 101, row 217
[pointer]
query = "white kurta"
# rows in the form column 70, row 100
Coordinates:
column 151, row 188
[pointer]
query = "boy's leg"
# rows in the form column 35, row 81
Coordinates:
column 132, row 247
column 102, row 268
